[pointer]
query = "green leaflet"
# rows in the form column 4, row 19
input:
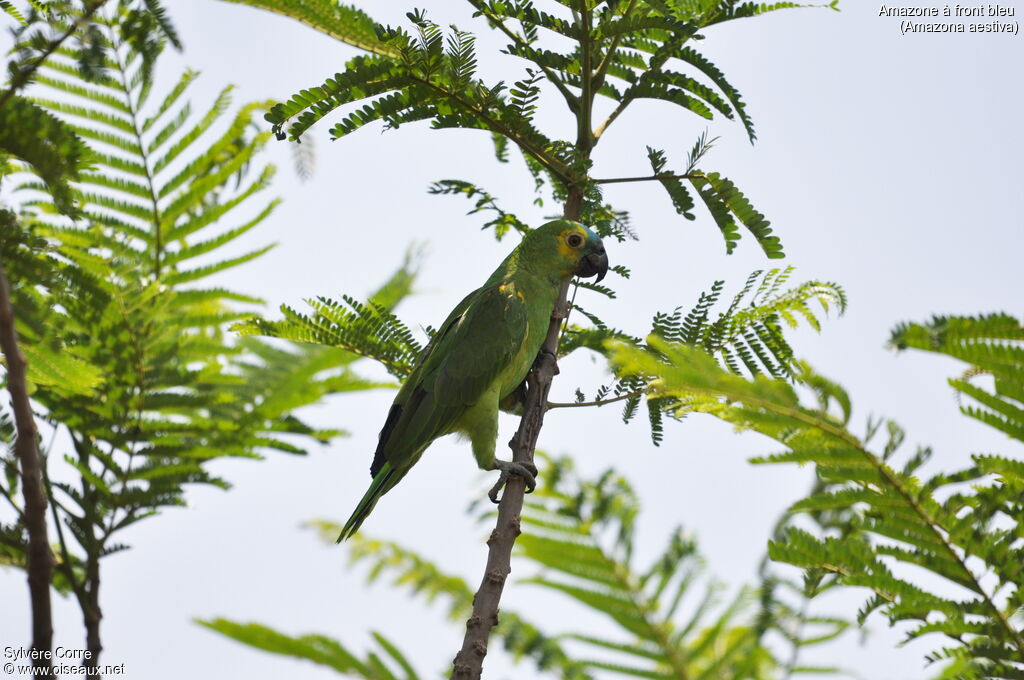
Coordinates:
column 314, row 648
column 502, row 223
column 681, row 199
column 728, row 11
column 351, row 328
column 420, row 79
column 54, row 151
column 346, row 23
column 747, row 338
column 665, row 92
column 990, row 344
column 363, row 330
column 8, row 7
column 698, row 61
column 578, row 533
column 172, row 97
column 581, row 533
column 127, row 343
column 956, row 533
column 728, row 205
column 47, row 366
column 521, row 638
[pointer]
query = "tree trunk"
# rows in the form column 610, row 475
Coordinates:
column 38, row 557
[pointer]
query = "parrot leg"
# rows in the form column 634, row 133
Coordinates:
column 515, row 401
column 528, row 471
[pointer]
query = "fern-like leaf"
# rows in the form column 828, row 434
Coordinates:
column 893, row 516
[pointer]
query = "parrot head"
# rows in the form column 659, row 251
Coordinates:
column 570, row 249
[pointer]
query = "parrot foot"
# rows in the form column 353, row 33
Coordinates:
column 528, row 471
column 554, row 358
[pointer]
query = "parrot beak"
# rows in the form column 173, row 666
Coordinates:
column 594, row 262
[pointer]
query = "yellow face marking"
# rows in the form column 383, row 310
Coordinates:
column 564, row 249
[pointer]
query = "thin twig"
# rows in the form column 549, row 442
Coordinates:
column 794, row 655
column 596, row 402
column 65, row 565
column 600, row 129
column 655, row 65
column 609, row 57
column 584, row 136
column 650, row 178
column 38, row 558
column 570, row 305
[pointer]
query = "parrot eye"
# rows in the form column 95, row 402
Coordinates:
column 574, row 240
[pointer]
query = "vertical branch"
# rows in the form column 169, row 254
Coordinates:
column 92, row 544
column 468, row 663
column 92, row 614
column 39, row 559
column 584, row 136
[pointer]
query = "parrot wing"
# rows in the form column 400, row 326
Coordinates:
column 476, row 343
column 478, row 340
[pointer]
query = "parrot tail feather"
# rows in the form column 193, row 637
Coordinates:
column 378, row 487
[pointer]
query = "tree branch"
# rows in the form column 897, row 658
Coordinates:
column 93, row 545
column 65, row 565
column 468, row 663
column 600, row 129
column 584, row 137
column 649, row 178
column 92, row 614
column 606, row 62
column 597, row 402
column 38, row 558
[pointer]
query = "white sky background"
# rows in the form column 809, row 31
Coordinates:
column 890, row 164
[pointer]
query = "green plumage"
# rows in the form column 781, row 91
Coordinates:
column 481, row 354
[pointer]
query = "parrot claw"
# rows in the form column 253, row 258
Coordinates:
column 528, row 471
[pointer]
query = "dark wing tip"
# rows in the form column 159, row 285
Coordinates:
column 385, row 434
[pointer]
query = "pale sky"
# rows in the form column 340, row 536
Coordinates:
column 888, row 163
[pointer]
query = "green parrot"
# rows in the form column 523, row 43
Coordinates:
column 479, row 357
